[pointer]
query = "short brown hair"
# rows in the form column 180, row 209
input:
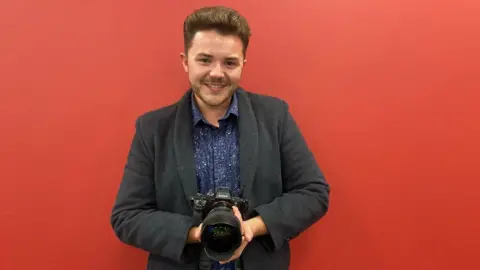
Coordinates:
column 224, row 20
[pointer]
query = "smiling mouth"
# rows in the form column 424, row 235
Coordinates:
column 215, row 87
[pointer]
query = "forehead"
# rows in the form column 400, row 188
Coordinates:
column 213, row 43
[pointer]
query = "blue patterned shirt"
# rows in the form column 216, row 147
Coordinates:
column 217, row 155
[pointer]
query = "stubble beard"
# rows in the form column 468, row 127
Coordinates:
column 211, row 100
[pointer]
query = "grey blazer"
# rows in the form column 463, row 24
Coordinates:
column 279, row 177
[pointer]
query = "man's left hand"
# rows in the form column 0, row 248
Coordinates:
column 247, row 236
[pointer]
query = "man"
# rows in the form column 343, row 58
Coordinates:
column 218, row 135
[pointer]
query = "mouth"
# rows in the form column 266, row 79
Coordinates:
column 215, row 87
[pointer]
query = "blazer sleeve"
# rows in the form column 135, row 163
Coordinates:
column 306, row 193
column 135, row 217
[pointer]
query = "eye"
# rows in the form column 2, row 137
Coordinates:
column 204, row 60
column 231, row 63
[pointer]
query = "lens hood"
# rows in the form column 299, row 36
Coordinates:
column 221, row 233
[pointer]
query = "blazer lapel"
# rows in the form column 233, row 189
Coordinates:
column 248, row 140
column 183, row 146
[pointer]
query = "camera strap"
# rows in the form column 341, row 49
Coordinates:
column 197, row 215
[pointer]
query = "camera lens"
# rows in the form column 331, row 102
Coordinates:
column 221, row 233
column 221, row 238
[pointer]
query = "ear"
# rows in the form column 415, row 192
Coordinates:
column 184, row 59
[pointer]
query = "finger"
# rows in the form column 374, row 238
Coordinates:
column 237, row 253
column 237, row 213
column 248, row 233
column 239, row 217
column 241, row 248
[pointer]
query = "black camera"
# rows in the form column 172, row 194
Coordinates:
column 221, row 231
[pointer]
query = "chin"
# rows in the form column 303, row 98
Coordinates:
column 213, row 98
column 216, row 102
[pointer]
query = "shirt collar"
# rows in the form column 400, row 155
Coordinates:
column 197, row 115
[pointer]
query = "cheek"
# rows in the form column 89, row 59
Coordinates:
column 235, row 75
column 196, row 75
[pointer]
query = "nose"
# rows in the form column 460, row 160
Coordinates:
column 217, row 70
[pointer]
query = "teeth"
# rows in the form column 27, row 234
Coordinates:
column 215, row 85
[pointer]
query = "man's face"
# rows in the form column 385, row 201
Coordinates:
column 214, row 65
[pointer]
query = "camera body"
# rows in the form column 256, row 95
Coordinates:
column 221, row 232
column 221, row 198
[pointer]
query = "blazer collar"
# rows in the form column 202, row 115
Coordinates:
column 183, row 143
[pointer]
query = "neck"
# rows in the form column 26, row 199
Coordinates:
column 212, row 114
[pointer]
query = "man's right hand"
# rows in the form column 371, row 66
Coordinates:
column 194, row 235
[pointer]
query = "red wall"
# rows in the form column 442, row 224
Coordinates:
column 386, row 93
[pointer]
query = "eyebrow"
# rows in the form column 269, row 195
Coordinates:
column 211, row 56
column 204, row 55
column 233, row 58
